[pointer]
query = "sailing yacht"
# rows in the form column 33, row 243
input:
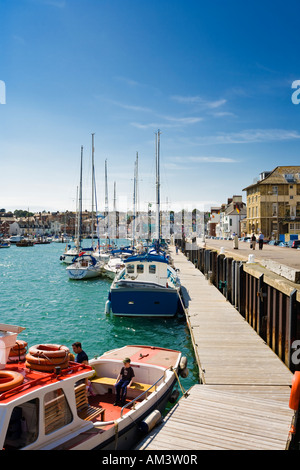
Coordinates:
column 70, row 252
column 147, row 285
column 87, row 263
column 85, row 266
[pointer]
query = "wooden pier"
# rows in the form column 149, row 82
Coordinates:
column 242, row 399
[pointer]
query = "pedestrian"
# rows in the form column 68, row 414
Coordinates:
column 260, row 241
column 123, row 381
column 253, row 241
column 176, row 249
column 81, row 356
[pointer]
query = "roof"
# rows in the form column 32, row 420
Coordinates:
column 277, row 176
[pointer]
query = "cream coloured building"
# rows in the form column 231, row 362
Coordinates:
column 273, row 203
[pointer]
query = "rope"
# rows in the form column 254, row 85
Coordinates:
column 184, row 392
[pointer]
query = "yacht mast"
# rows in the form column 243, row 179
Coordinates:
column 106, row 199
column 80, row 204
column 93, row 191
column 157, row 151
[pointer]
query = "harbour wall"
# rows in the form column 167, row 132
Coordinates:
column 268, row 302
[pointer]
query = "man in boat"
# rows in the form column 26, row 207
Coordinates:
column 123, row 381
column 81, row 356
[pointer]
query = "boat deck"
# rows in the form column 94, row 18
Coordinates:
column 106, row 402
column 145, row 354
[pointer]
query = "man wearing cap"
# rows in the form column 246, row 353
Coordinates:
column 123, row 381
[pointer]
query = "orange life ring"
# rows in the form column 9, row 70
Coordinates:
column 14, row 359
column 49, row 350
column 46, row 367
column 20, row 344
column 45, row 360
column 17, row 353
column 295, row 392
column 18, row 349
column 10, row 379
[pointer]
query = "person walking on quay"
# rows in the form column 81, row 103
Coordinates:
column 260, row 241
column 253, row 241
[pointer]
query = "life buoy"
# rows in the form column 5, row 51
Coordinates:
column 10, row 379
column 49, row 350
column 20, row 344
column 295, row 392
column 46, row 367
column 56, row 361
column 15, row 359
column 19, row 349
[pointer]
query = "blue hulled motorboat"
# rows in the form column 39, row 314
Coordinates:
column 147, row 287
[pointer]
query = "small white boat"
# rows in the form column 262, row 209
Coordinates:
column 69, row 254
column 16, row 238
column 113, row 267
column 85, row 266
column 43, row 406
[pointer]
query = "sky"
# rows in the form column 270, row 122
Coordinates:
column 214, row 77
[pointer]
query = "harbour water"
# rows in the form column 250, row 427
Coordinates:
column 37, row 294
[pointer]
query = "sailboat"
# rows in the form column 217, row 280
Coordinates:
column 148, row 285
column 70, row 252
column 85, row 265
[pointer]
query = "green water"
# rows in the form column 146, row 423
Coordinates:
column 36, row 293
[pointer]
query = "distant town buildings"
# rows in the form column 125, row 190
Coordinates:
column 272, row 207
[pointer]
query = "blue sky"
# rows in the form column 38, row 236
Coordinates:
column 215, row 78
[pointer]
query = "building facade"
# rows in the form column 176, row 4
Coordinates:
column 273, row 203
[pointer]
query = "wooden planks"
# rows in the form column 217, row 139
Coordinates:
column 230, row 352
column 242, row 402
column 213, row 419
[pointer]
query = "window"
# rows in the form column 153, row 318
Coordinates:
column 57, row 411
column 130, row 269
column 275, row 190
column 140, row 268
column 152, row 269
column 23, row 428
column 274, row 209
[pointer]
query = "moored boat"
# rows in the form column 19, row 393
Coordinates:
column 4, row 243
column 44, row 405
column 25, row 242
column 147, row 286
column 85, row 266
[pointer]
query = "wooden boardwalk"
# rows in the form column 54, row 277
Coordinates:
column 242, row 399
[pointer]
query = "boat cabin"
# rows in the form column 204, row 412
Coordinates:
column 152, row 269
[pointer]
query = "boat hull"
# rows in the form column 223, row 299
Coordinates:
column 144, row 302
column 79, row 274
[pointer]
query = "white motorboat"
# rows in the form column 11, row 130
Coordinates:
column 43, row 405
